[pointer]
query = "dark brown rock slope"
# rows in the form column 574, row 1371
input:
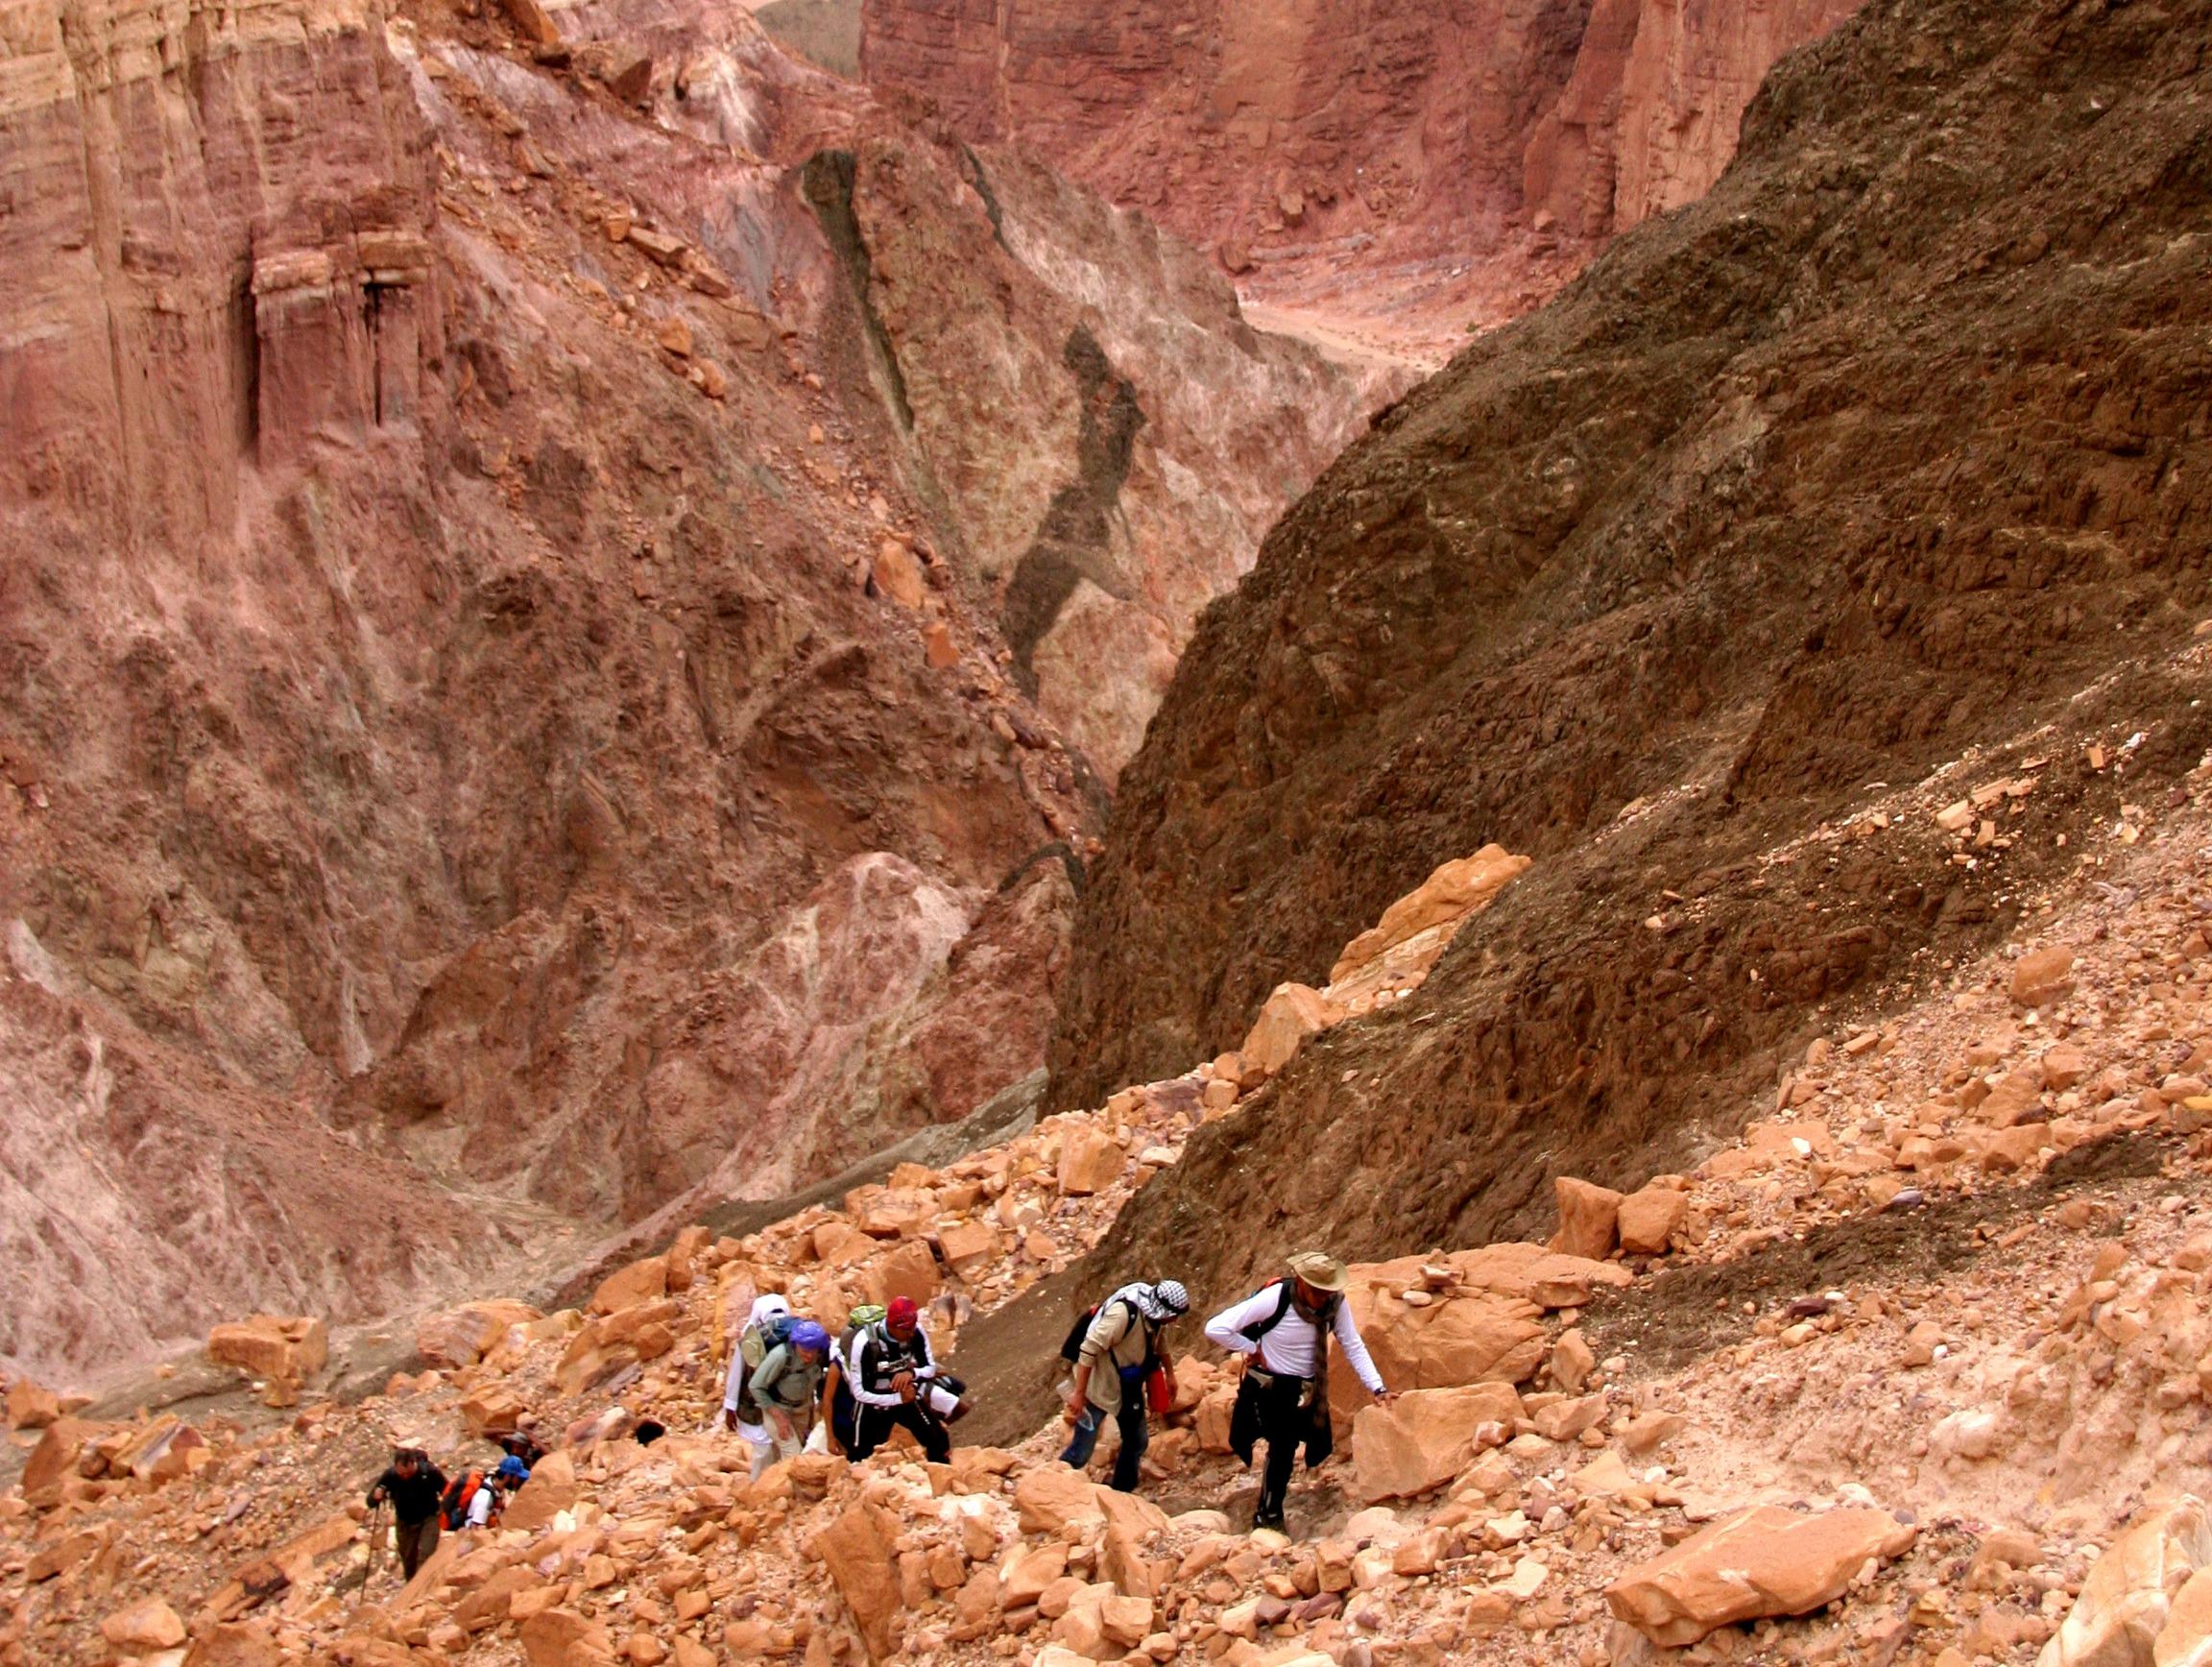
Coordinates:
column 1891, row 451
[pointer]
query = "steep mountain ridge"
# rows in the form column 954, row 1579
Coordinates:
column 507, row 722
column 1887, row 461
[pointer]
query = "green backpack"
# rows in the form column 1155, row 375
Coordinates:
column 866, row 1315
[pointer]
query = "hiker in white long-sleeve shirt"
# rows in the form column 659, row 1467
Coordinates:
column 1283, row 1331
column 741, row 1411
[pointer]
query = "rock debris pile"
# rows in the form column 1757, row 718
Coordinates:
column 1768, row 1409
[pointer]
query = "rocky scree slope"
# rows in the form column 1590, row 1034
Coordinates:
column 1889, row 461
column 1913, row 1373
column 526, row 694
column 1417, row 165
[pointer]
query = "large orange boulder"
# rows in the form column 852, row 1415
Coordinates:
column 31, row 1406
column 560, row 1637
column 685, row 1252
column 1029, row 1574
column 236, row 1644
column 1052, row 1496
column 1091, row 1160
column 2125, row 1615
column 1589, row 1218
column 1445, row 1342
column 1650, row 1218
column 1451, row 894
column 1290, row 1015
column 643, row 1281
column 1759, row 1562
column 463, row 1336
column 146, row 1627
column 493, row 1410
column 968, row 1246
column 909, row 1271
column 58, row 1452
column 2044, row 975
column 284, row 1347
column 1534, row 1274
column 1218, row 1408
column 551, row 1489
column 1426, row 1438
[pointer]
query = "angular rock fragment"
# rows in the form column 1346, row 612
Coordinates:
column 1759, row 1562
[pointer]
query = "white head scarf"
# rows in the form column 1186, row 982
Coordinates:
column 763, row 1307
column 1146, row 1300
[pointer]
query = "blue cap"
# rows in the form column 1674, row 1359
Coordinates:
column 807, row 1334
column 511, row 1469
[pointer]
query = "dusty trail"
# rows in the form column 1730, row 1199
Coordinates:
column 1352, row 341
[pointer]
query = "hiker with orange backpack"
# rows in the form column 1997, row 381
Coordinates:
column 1282, row 1332
column 1115, row 1350
column 471, row 1500
column 483, row 1494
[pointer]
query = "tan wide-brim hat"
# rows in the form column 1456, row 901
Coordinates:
column 1319, row 1270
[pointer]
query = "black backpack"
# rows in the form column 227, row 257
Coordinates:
column 1072, row 1345
column 1071, row 1348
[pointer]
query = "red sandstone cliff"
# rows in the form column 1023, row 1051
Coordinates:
column 1449, row 160
column 567, row 612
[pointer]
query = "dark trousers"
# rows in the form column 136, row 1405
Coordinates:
column 417, row 1541
column 842, row 1408
column 1278, row 1412
column 1275, row 1479
column 1129, row 1419
column 871, row 1427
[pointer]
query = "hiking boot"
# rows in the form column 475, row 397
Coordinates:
column 1267, row 1519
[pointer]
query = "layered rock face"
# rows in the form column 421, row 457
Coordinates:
column 189, row 284
column 1886, row 456
column 521, row 673
column 1475, row 151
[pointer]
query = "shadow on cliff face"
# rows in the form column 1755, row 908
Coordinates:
column 1075, row 542
column 1887, row 456
column 1074, row 538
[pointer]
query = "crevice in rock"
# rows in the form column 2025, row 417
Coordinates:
column 828, row 182
column 992, row 210
column 1056, row 851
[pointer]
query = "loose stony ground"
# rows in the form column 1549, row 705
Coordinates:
column 1912, row 1371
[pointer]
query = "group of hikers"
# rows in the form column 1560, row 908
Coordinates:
column 791, row 1383
column 793, row 1386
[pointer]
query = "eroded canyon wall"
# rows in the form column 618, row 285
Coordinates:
column 508, row 709
column 1493, row 142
